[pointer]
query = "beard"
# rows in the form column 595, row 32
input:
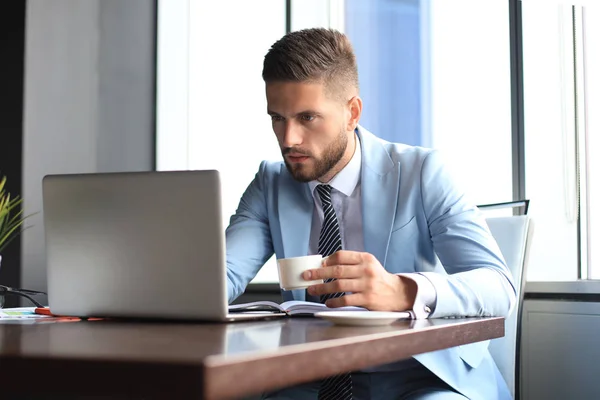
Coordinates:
column 320, row 166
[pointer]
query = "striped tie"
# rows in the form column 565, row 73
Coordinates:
column 338, row 387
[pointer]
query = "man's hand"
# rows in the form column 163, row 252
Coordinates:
column 371, row 286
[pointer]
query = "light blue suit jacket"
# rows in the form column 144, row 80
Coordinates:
column 414, row 220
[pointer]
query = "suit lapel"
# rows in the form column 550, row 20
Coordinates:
column 380, row 180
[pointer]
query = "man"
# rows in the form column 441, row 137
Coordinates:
column 401, row 234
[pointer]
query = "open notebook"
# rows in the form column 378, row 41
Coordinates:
column 291, row 308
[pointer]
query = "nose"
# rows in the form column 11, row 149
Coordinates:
column 291, row 135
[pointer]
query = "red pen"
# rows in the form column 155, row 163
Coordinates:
column 42, row 310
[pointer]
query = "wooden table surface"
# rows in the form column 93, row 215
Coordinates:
column 120, row 359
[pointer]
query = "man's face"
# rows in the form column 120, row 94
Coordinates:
column 310, row 128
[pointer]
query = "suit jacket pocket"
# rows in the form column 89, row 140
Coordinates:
column 403, row 246
column 405, row 228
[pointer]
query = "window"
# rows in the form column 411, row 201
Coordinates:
column 591, row 40
column 212, row 105
column 561, row 57
column 426, row 79
column 470, row 115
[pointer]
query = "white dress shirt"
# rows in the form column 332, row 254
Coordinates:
column 346, row 200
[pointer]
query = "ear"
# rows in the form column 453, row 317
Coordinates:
column 355, row 111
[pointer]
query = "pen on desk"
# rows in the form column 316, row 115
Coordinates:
column 42, row 311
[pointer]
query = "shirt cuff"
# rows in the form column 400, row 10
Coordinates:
column 426, row 297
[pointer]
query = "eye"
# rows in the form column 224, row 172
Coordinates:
column 307, row 117
column 276, row 118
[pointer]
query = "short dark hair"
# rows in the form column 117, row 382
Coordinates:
column 313, row 55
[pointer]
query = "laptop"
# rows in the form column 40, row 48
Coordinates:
column 137, row 245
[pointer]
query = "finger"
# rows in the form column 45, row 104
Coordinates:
column 334, row 271
column 343, row 257
column 355, row 299
column 339, row 285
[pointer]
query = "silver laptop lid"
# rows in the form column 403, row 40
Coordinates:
column 141, row 244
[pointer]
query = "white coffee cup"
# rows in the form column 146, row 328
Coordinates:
column 291, row 269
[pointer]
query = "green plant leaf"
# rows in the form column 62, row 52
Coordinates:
column 14, row 203
column 3, row 216
column 15, row 217
column 11, row 227
column 13, row 237
column 10, row 206
column 11, row 216
column 4, row 240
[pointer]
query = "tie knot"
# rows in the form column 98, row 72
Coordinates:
column 324, row 193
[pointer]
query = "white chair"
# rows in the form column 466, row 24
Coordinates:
column 513, row 235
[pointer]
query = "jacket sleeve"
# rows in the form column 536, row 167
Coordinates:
column 477, row 283
column 248, row 238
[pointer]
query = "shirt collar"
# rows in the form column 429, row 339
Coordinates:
column 346, row 180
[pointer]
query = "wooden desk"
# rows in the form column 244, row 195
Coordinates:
column 209, row 361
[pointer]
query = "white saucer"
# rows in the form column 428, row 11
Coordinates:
column 362, row 318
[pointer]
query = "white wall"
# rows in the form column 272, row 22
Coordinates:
column 89, row 100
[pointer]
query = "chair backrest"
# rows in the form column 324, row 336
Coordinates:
column 513, row 235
